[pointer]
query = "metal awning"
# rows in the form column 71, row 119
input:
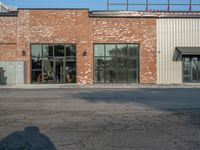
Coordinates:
column 188, row 51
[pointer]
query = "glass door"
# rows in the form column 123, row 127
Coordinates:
column 198, row 65
column 191, row 69
column 59, row 72
column 194, row 69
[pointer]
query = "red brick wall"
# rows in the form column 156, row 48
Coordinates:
column 8, row 36
column 58, row 26
column 75, row 26
column 8, row 29
column 131, row 30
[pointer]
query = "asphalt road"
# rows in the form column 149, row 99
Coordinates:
column 100, row 119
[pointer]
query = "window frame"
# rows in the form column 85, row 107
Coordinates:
column 127, row 57
column 43, row 57
column 190, row 69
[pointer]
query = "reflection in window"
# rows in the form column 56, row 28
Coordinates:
column 36, row 50
column 191, row 69
column 99, row 63
column 110, row 76
column 110, row 50
column 132, row 63
column 110, row 63
column 48, row 73
column 47, row 51
column 70, row 72
column 133, row 50
column 122, row 76
column 99, row 76
column 53, row 63
column 71, row 50
column 36, row 63
column 122, row 63
column 122, row 50
column 99, row 50
column 59, row 50
column 119, row 64
column 132, row 76
column 36, row 76
column 186, row 69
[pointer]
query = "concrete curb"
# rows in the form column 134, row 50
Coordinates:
column 103, row 86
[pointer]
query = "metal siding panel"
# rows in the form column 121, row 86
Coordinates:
column 10, row 72
column 172, row 33
column 19, row 72
column 14, row 71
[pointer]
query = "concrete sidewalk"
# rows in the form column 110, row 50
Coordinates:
column 106, row 86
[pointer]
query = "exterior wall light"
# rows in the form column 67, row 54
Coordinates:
column 84, row 53
column 23, row 52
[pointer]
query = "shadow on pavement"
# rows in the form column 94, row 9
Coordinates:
column 162, row 99
column 29, row 139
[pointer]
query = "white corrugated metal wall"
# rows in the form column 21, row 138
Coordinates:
column 171, row 33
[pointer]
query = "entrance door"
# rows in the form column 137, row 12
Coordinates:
column 191, row 69
column 194, row 69
column 59, row 70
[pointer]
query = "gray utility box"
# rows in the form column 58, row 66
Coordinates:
column 1, row 76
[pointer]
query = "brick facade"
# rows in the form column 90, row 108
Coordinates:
column 131, row 30
column 75, row 26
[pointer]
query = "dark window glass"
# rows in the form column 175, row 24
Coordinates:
column 186, row 72
column 186, row 79
column 132, row 63
column 47, row 51
column 59, row 50
column 194, row 65
column 132, row 76
column 110, row 50
column 70, row 50
column 110, row 76
column 133, row 50
column 122, row 76
column 110, row 63
column 36, row 63
column 99, row 76
column 186, row 69
column 122, row 63
column 99, row 50
column 116, row 63
column 122, row 50
column 48, row 73
column 99, row 63
column 36, row 50
column 70, row 72
column 36, row 76
column 50, row 64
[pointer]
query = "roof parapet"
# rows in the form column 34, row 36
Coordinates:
column 150, row 14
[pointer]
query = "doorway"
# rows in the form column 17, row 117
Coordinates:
column 191, row 69
column 53, row 64
column 59, row 70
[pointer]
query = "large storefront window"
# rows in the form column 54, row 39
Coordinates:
column 53, row 63
column 191, row 69
column 116, row 63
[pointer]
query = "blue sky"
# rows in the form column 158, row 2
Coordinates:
column 91, row 4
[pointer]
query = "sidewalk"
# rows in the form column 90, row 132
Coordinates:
column 106, row 86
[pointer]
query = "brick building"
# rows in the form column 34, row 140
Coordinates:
column 47, row 46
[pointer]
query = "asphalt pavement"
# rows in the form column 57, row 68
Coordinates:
column 100, row 119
